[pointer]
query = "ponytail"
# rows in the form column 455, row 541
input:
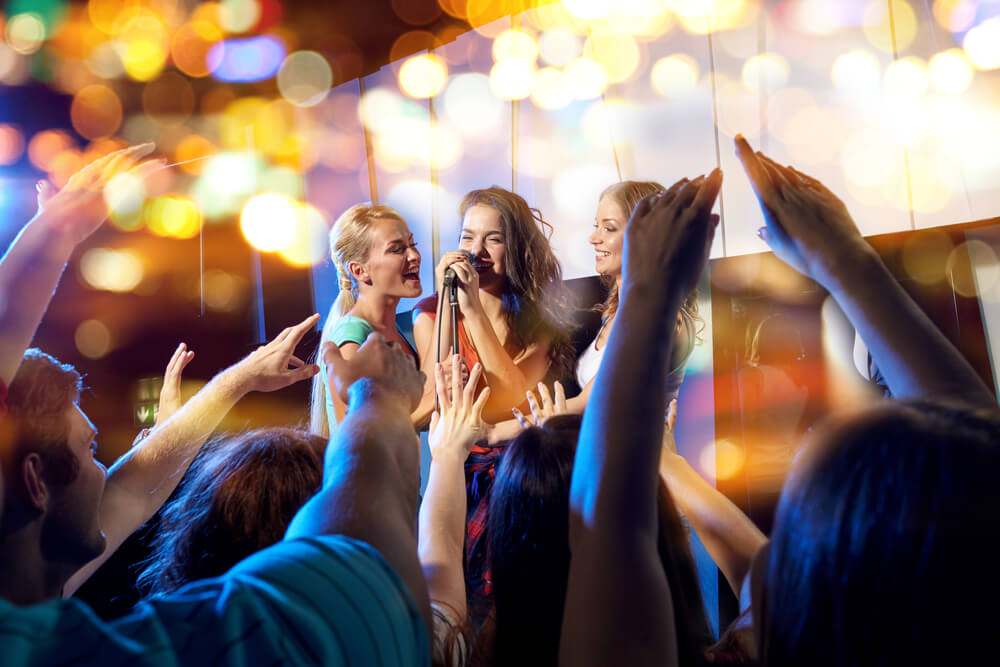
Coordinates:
column 349, row 242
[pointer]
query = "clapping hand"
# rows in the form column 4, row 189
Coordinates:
column 542, row 410
column 807, row 226
column 459, row 423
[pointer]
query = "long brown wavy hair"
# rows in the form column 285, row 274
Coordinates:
column 628, row 194
column 535, row 302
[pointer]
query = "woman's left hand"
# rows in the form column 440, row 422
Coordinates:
column 547, row 407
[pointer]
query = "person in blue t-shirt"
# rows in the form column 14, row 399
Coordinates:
column 377, row 265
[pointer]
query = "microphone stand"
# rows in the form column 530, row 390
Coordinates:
column 453, row 302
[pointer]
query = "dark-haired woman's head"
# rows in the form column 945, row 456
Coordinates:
column 528, row 551
column 238, row 497
column 884, row 541
column 513, row 257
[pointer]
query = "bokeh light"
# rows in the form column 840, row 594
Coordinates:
column 954, row 15
column 268, row 222
column 470, row 106
column 145, row 46
column 25, row 33
column 973, row 269
column 283, row 181
column 191, row 45
column 96, row 112
column 603, row 121
column 586, row 79
column 550, row 90
column 173, row 215
column 256, row 124
column 169, row 100
column 93, row 339
column 675, row 76
column 818, row 17
column 11, row 144
column 515, row 44
column 588, row 9
column 950, row 72
column 721, row 460
column 644, row 19
column 925, row 254
column 616, row 52
column 857, row 71
column 767, row 72
column 880, row 30
column 111, row 270
column 305, row 78
column 512, row 79
column 982, row 44
column 125, row 194
column 223, row 291
column 559, row 46
column 412, row 42
column 238, row 16
column 310, row 239
column 868, row 159
column 702, row 16
column 423, row 76
column 105, row 61
column 46, row 145
column 226, row 181
column 251, row 59
column 906, row 79
column 190, row 151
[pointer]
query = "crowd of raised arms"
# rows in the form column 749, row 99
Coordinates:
column 553, row 529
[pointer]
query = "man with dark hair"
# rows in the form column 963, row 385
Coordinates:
column 43, row 392
column 343, row 587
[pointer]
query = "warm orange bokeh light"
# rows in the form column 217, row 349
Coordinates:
column 96, row 112
column 190, row 46
column 46, row 145
column 11, row 144
column 193, row 147
column 169, row 100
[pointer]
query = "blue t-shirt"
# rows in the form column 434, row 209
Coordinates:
column 327, row 600
column 348, row 329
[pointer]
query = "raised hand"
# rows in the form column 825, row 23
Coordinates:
column 463, row 369
column 80, row 207
column 275, row 366
column 459, row 423
column 807, row 226
column 542, row 410
column 668, row 238
column 385, row 364
column 170, row 393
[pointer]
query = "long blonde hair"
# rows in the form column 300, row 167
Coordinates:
column 350, row 241
column 628, row 194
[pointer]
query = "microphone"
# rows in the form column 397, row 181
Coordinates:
column 449, row 275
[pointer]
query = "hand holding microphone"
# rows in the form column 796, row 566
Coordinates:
column 449, row 274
